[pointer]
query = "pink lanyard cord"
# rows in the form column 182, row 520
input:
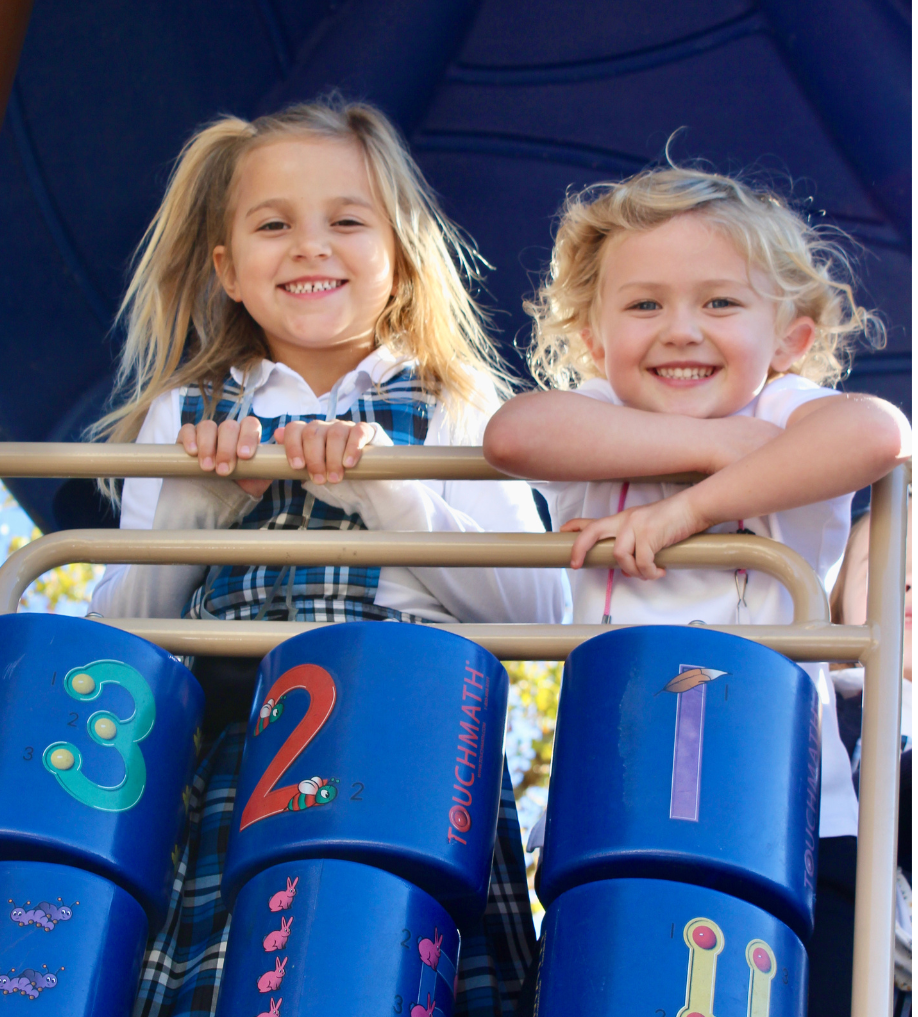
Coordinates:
column 607, row 614
column 741, row 576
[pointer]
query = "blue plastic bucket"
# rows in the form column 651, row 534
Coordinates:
column 69, row 939
column 99, row 753
column 376, row 743
column 314, row 938
column 687, row 755
column 642, row 946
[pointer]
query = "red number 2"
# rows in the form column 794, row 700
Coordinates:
column 267, row 800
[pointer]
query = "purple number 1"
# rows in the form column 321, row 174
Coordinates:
column 687, row 751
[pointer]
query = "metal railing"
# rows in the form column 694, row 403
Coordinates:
column 811, row 637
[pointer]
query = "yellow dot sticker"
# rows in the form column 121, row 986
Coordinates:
column 62, row 759
column 83, row 683
column 105, row 728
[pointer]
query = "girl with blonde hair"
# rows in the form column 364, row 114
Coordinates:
column 701, row 322
column 299, row 284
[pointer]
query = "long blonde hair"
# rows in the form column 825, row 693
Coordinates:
column 183, row 329
column 809, row 269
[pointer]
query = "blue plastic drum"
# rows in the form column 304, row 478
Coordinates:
column 688, row 755
column 377, row 743
column 317, row 938
column 69, row 939
column 647, row 946
column 98, row 751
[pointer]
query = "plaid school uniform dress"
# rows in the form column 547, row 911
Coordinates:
column 184, row 960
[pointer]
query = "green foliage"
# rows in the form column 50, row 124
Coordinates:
column 538, row 687
column 69, row 584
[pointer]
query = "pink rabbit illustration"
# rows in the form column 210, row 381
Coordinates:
column 284, row 898
column 277, row 940
column 271, row 980
column 423, row 1011
column 430, row 950
column 275, row 1009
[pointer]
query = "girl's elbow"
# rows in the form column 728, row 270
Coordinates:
column 892, row 438
column 502, row 444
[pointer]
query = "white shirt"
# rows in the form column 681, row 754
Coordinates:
column 440, row 595
column 817, row 532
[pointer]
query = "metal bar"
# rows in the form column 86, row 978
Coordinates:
column 874, row 908
column 192, row 637
column 370, row 548
column 81, row 459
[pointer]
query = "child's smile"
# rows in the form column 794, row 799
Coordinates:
column 683, row 325
column 313, row 254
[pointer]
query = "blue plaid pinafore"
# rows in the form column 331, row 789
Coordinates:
column 333, row 594
column 184, row 959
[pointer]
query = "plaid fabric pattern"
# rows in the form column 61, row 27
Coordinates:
column 182, row 967
column 333, row 594
column 184, row 961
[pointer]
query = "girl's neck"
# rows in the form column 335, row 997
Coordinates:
column 322, row 368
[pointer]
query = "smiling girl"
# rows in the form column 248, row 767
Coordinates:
column 299, row 284
column 701, row 322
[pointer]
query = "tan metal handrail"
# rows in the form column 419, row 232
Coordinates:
column 878, row 644
column 370, row 549
column 424, row 462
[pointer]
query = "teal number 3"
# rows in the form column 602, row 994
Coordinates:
column 64, row 760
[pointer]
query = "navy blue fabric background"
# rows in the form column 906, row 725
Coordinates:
column 505, row 103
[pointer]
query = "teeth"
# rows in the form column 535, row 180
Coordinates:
column 314, row 287
column 684, row 373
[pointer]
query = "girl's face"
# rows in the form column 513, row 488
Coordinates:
column 313, row 254
column 684, row 325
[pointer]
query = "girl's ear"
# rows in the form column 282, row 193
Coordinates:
column 596, row 348
column 226, row 273
column 798, row 338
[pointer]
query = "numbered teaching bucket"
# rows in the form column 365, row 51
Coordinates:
column 98, row 751
column 325, row 937
column 688, row 755
column 70, row 939
column 378, row 743
column 644, row 946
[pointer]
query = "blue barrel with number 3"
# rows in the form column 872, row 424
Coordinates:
column 375, row 743
column 101, row 737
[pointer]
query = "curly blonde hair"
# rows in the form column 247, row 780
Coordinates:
column 810, row 270
column 182, row 328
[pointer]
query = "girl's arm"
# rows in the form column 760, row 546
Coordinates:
column 830, row 447
column 569, row 436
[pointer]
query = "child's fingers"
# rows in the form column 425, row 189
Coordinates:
column 358, row 437
column 314, row 438
column 575, row 525
column 594, row 530
column 206, row 442
column 336, row 438
column 249, row 437
column 644, row 563
column 186, row 438
column 624, row 552
column 292, row 437
column 227, row 440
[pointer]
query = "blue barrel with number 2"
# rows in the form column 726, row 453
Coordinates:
column 101, row 731
column 380, row 744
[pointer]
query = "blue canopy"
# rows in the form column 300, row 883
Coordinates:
column 506, row 104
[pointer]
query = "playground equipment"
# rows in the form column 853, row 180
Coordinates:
column 876, row 644
column 102, row 732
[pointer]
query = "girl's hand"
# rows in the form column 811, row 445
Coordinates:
column 218, row 448
column 325, row 448
column 639, row 533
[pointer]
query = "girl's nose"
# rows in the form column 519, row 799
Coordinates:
column 310, row 243
column 682, row 328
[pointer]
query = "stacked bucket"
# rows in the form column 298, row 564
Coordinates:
column 96, row 759
column 680, row 841
column 364, row 823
